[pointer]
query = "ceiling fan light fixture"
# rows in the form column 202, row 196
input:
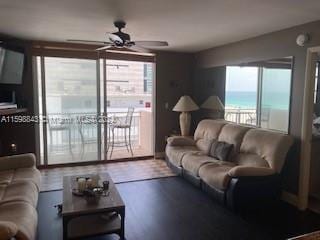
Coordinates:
column 121, row 39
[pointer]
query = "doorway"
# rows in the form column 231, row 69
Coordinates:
column 84, row 104
column 129, row 109
column 308, row 180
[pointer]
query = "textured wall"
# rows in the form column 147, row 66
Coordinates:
column 173, row 79
column 207, row 82
column 21, row 134
column 273, row 45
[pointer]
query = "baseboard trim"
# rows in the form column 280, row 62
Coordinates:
column 290, row 198
column 76, row 164
column 159, row 155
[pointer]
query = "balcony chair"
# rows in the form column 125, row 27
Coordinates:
column 62, row 125
column 124, row 126
column 87, row 127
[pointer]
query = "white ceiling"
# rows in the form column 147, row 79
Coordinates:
column 188, row 25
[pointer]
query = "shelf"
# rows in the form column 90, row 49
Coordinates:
column 13, row 111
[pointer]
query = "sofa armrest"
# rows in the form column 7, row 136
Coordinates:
column 252, row 192
column 8, row 230
column 17, row 161
column 180, row 141
column 244, row 171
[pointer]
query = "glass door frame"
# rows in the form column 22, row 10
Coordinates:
column 41, row 113
column 104, row 75
column 260, row 100
column 101, row 77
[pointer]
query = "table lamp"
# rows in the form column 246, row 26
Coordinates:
column 185, row 105
column 213, row 103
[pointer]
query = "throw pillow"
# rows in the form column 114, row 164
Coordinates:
column 220, row 150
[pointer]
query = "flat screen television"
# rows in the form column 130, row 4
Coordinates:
column 11, row 66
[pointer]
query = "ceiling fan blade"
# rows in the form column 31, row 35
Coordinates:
column 152, row 43
column 87, row 41
column 104, row 48
column 115, row 38
column 138, row 49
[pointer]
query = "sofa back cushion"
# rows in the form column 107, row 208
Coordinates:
column 233, row 134
column 263, row 148
column 251, row 160
column 208, row 129
column 204, row 145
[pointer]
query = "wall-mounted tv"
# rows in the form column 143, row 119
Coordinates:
column 11, row 66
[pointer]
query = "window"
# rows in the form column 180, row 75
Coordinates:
column 241, row 94
column 259, row 94
column 275, row 98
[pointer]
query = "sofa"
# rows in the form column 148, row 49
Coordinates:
column 19, row 190
column 251, row 173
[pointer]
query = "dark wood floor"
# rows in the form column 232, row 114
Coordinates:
column 172, row 209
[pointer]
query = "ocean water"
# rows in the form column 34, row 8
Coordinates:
column 248, row 100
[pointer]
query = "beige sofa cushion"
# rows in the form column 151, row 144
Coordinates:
column 193, row 161
column 3, row 188
column 233, row 134
column 26, row 174
column 242, row 171
column 176, row 153
column 216, row 175
column 180, row 141
column 269, row 146
column 208, row 129
column 251, row 160
column 19, row 188
column 6, row 176
column 23, row 215
column 19, row 191
column 204, row 145
column 7, row 230
column 17, row 161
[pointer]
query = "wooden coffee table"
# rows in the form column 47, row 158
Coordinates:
column 83, row 219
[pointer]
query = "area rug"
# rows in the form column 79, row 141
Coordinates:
column 51, row 179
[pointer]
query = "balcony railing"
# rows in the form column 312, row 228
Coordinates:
column 241, row 116
column 76, row 134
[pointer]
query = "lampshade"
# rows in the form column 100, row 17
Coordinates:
column 213, row 103
column 185, row 104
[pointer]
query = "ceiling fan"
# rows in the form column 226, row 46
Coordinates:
column 120, row 39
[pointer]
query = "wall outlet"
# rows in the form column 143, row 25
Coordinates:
column 166, row 105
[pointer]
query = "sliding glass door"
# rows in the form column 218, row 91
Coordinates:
column 129, row 107
column 94, row 109
column 69, row 106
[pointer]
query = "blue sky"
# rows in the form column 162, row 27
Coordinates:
column 244, row 79
column 241, row 79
